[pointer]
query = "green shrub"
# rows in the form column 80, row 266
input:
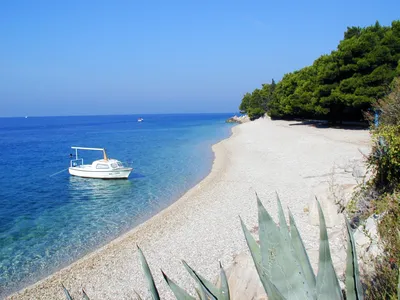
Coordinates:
column 255, row 113
column 389, row 107
column 383, row 283
column 380, row 195
column 385, row 157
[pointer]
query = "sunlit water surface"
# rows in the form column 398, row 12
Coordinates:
column 48, row 220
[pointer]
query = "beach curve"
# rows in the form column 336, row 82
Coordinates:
column 203, row 227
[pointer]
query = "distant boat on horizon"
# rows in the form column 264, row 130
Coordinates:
column 26, row 117
column 140, row 120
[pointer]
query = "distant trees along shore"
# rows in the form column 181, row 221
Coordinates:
column 338, row 86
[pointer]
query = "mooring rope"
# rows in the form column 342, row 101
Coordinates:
column 58, row 172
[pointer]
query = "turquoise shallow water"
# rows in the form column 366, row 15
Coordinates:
column 49, row 221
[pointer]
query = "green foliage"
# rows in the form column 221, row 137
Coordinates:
column 278, row 262
column 256, row 103
column 152, row 286
column 385, row 157
column 379, row 196
column 383, row 283
column 340, row 85
column 245, row 104
column 390, row 105
column 398, row 288
column 85, row 296
column 354, row 288
column 327, row 283
column 67, row 294
column 282, row 264
column 389, row 225
column 178, row 291
column 255, row 113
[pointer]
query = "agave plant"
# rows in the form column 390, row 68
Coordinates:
column 282, row 264
column 205, row 289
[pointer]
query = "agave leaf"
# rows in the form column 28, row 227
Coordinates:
column 279, row 260
column 211, row 290
column 224, row 290
column 252, row 244
column 301, row 253
column 67, row 294
column 179, row 292
column 149, row 276
column 327, row 283
column 197, row 292
column 269, row 288
column 353, row 284
column 137, row 295
column 201, row 293
column 267, row 230
column 282, row 221
column 204, row 293
column 85, row 296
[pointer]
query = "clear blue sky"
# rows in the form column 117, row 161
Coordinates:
column 123, row 57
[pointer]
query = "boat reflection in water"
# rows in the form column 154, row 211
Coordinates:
column 97, row 189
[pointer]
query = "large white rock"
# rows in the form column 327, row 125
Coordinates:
column 368, row 243
column 243, row 280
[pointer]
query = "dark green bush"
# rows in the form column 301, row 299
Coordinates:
column 255, row 113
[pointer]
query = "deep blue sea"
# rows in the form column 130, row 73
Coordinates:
column 48, row 220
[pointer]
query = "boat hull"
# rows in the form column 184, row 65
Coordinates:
column 122, row 173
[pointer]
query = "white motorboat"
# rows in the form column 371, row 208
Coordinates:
column 106, row 168
column 140, row 120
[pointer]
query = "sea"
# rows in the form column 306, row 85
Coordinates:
column 48, row 218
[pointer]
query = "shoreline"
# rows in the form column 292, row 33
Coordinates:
column 217, row 165
column 202, row 226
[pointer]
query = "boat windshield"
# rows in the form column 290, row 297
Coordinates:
column 117, row 165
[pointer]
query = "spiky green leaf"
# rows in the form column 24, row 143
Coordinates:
column 201, row 293
column 282, row 220
column 269, row 288
column 67, row 294
column 327, row 283
column 204, row 293
column 353, row 284
column 252, row 244
column 197, row 292
column 179, row 292
column 85, row 296
column 224, row 290
column 268, row 236
column 279, row 260
column 206, row 286
column 256, row 255
column 301, row 252
column 137, row 295
column 150, row 280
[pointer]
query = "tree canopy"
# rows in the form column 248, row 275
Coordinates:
column 337, row 86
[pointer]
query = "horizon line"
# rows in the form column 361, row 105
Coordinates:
column 134, row 114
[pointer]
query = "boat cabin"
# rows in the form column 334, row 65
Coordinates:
column 103, row 164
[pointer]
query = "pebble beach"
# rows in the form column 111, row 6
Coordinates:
column 202, row 227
